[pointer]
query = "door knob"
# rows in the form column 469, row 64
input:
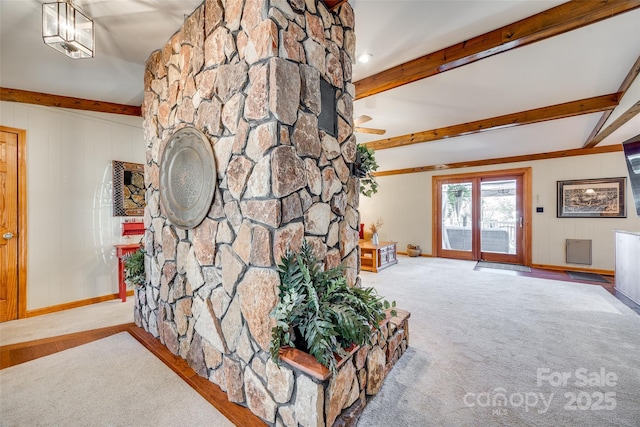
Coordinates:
column 8, row 235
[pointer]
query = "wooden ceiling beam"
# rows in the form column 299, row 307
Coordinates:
column 503, row 160
column 624, row 87
column 616, row 124
column 27, row 97
column 555, row 21
column 558, row 111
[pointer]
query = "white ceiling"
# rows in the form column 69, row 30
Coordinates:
column 127, row 31
column 583, row 63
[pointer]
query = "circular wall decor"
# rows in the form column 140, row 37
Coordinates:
column 187, row 178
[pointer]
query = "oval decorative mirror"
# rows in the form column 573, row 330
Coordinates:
column 128, row 189
column 187, row 178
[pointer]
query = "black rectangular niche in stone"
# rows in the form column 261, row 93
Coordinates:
column 328, row 119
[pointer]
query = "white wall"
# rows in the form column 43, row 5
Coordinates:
column 404, row 203
column 71, row 230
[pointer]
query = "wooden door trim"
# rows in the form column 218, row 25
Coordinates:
column 476, row 217
column 436, row 232
column 497, row 173
column 22, row 218
column 435, row 202
column 527, row 201
column 502, row 257
column 528, row 213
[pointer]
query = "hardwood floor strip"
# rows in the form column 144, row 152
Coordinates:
column 557, row 273
column 237, row 414
column 74, row 304
column 15, row 354
column 544, row 267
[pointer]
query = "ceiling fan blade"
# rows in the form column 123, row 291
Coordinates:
column 370, row 130
column 361, row 119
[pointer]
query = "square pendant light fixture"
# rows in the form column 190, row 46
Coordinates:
column 67, row 30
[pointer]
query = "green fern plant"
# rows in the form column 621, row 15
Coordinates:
column 319, row 312
column 366, row 170
column 134, row 268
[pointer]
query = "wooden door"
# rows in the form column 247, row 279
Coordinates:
column 501, row 238
column 483, row 216
column 456, row 213
column 8, row 226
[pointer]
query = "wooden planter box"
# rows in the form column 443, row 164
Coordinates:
column 326, row 400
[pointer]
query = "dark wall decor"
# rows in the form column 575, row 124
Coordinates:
column 187, row 178
column 592, row 198
column 631, row 149
column 128, row 189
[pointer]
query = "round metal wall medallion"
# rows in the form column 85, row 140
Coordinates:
column 187, row 178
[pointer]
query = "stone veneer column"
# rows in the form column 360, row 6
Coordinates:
column 247, row 74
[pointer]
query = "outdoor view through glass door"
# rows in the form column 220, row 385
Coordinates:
column 500, row 220
column 456, row 219
column 481, row 218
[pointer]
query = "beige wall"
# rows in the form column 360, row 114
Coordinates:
column 71, row 230
column 404, row 203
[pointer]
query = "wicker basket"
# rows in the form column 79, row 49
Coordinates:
column 413, row 251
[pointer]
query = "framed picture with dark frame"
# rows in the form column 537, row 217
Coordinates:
column 592, row 198
column 128, row 189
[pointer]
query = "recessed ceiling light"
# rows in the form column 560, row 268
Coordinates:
column 365, row 57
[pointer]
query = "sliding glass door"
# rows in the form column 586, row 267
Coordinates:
column 481, row 217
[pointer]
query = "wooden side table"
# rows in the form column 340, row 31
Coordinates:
column 377, row 257
column 121, row 251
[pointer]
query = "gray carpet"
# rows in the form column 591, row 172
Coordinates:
column 593, row 277
column 94, row 316
column 502, row 266
column 111, row 382
column 478, row 334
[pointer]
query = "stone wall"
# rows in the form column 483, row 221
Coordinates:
column 247, row 74
column 339, row 400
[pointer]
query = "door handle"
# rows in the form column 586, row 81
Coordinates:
column 521, row 221
column 8, row 235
